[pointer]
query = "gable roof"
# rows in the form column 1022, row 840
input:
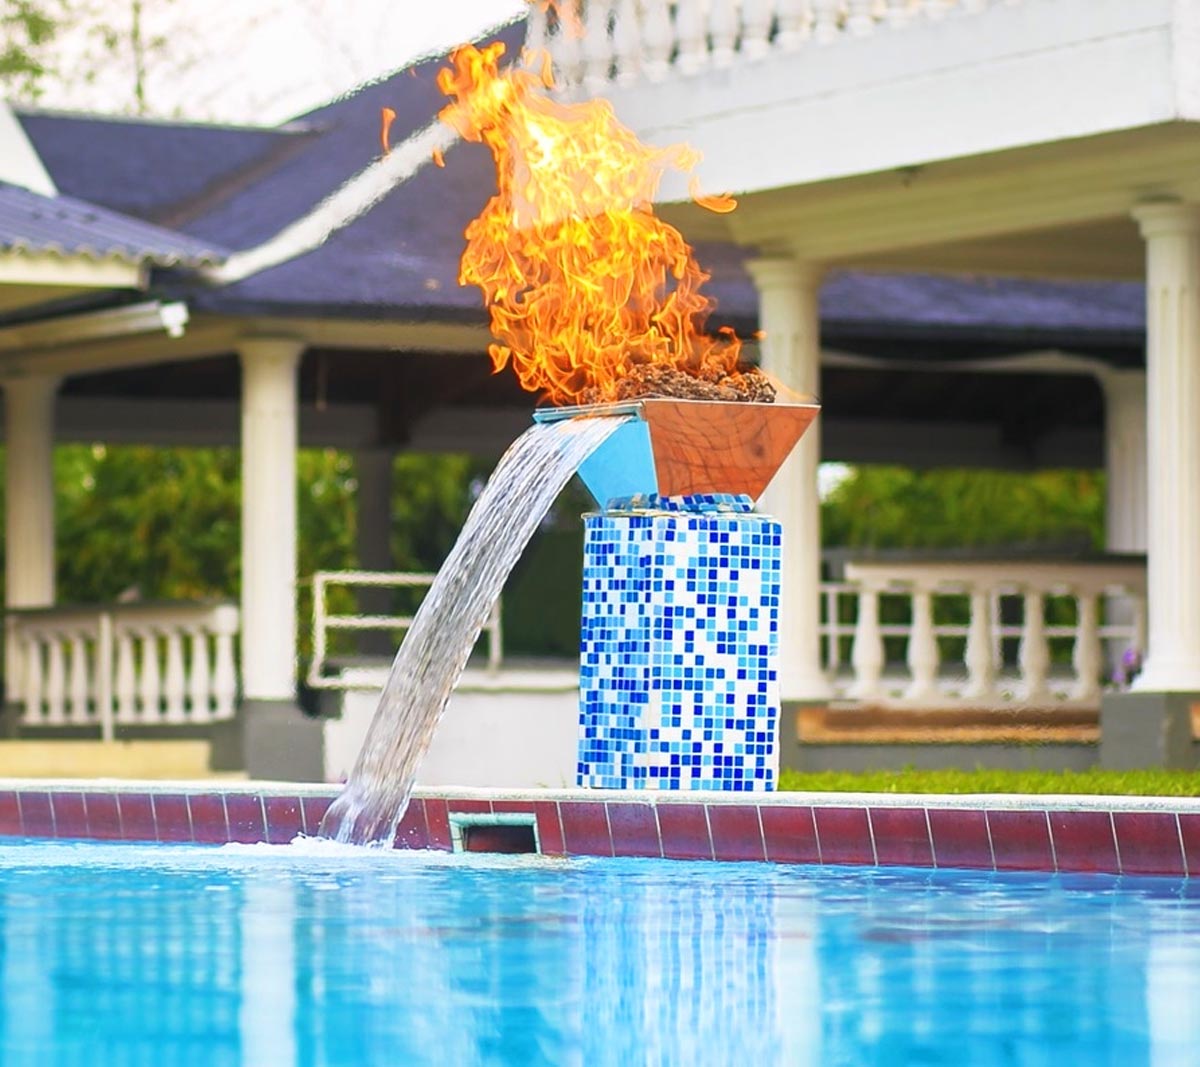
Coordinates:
column 397, row 257
column 30, row 222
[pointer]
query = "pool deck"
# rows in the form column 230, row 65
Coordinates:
column 1115, row 835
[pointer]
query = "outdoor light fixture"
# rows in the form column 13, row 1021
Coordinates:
column 148, row 317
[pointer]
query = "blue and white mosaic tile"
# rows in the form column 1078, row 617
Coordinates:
column 678, row 676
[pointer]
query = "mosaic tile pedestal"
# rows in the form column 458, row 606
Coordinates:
column 678, row 681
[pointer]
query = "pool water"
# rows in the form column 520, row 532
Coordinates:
column 319, row 954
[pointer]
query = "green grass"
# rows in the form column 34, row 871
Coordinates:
column 1119, row 783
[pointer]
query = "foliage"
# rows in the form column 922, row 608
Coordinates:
column 1163, row 783
column 894, row 507
column 27, row 27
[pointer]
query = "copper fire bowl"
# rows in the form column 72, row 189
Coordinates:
column 681, row 447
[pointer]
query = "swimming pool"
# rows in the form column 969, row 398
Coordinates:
column 319, row 954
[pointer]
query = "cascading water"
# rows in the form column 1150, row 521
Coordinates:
column 435, row 650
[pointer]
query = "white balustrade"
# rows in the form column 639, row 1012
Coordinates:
column 989, row 597
column 124, row 664
column 626, row 41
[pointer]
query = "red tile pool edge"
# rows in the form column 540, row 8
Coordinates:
column 1028, row 837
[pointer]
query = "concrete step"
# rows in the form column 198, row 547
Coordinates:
column 168, row 759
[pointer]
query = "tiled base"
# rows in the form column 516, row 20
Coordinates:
column 1113, row 835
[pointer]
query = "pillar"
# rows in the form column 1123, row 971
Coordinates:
column 29, row 470
column 1125, row 459
column 1172, row 234
column 269, row 439
column 791, row 353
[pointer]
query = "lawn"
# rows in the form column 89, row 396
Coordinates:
column 908, row 780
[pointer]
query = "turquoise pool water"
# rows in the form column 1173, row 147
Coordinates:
column 317, row 954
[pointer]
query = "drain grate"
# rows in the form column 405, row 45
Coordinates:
column 510, row 832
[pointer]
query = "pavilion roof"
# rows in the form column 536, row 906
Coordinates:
column 30, row 222
column 397, row 256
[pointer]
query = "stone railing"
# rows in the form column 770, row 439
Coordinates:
column 123, row 664
column 998, row 650
column 629, row 41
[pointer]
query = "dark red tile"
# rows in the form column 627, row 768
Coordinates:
column 901, row 837
column 518, row 807
column 285, row 819
column 585, row 828
column 683, row 829
column 313, row 809
column 10, row 815
column 1189, row 830
column 209, row 825
column 634, row 830
column 960, row 838
column 736, row 832
column 550, row 835
column 103, row 816
column 70, row 816
column 1021, row 840
column 437, row 824
column 844, row 835
column 171, row 819
column 37, row 818
column 137, row 817
column 1148, row 842
column 1083, row 841
column 246, row 820
column 789, row 833
column 412, row 833
column 470, row 807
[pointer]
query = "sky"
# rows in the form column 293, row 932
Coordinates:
column 255, row 61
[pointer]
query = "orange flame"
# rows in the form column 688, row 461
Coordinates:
column 582, row 281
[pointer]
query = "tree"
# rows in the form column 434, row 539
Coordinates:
column 894, row 507
column 27, row 28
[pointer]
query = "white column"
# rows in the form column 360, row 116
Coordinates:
column 1125, row 459
column 269, row 437
column 29, row 469
column 791, row 353
column 1172, row 234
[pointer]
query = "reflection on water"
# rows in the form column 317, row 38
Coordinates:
column 279, row 956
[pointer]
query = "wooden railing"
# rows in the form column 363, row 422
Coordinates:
column 123, row 664
column 999, row 605
column 629, row 41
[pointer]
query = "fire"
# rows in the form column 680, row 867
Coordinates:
column 583, row 283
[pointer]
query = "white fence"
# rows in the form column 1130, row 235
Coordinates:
column 628, row 41
column 324, row 622
column 1104, row 603
column 126, row 664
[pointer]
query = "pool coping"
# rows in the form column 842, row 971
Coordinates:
column 1002, row 832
